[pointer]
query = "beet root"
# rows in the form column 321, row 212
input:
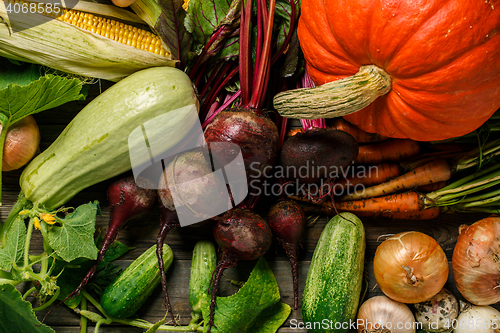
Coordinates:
column 242, row 235
column 256, row 136
column 169, row 221
column 287, row 221
column 321, row 151
column 188, row 184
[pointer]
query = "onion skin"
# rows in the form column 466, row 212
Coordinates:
column 375, row 314
column 475, row 262
column 123, row 3
column 21, row 144
column 438, row 313
column 410, row 267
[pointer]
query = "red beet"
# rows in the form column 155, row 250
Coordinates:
column 187, row 179
column 287, row 221
column 127, row 202
column 257, row 137
column 242, row 235
column 321, row 152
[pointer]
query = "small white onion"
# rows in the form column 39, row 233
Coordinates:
column 382, row 314
column 477, row 319
column 437, row 313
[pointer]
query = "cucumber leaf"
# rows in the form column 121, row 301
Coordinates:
column 72, row 273
column 14, row 246
column 17, row 315
column 270, row 320
column 74, row 238
column 235, row 312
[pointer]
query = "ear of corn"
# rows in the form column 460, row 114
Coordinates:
column 82, row 43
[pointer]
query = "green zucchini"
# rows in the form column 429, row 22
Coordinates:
column 122, row 298
column 333, row 285
column 95, row 144
column 202, row 267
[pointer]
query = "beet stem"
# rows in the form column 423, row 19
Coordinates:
column 228, row 260
column 169, row 222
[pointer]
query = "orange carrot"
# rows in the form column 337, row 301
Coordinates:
column 405, row 206
column 292, row 132
column 431, row 187
column 433, row 172
column 360, row 135
column 425, row 214
column 390, row 150
column 371, row 175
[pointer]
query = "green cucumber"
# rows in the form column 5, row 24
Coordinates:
column 95, row 144
column 202, row 267
column 122, row 298
column 333, row 286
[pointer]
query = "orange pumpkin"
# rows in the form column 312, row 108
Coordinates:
column 443, row 58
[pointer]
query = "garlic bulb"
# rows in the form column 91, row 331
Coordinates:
column 382, row 314
column 477, row 319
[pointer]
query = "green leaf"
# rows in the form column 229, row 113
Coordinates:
column 75, row 237
column 47, row 92
column 21, row 74
column 14, row 246
column 270, row 320
column 75, row 271
column 17, row 315
column 237, row 311
column 204, row 17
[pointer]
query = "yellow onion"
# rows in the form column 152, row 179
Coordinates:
column 21, row 143
column 476, row 261
column 382, row 314
column 410, row 267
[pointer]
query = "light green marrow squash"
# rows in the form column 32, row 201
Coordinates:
column 95, row 144
column 333, row 286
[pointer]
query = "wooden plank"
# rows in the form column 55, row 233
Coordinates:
column 142, row 234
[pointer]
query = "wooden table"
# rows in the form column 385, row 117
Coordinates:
column 142, row 235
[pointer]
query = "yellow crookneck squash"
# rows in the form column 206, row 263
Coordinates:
column 420, row 69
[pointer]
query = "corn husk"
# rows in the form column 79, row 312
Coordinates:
column 69, row 49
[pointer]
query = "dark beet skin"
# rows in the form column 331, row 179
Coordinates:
column 257, row 136
column 322, row 151
column 244, row 233
column 287, row 221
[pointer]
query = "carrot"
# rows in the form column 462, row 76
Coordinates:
column 292, row 132
column 424, row 214
column 361, row 136
column 433, row 172
column 390, row 150
column 431, row 187
column 371, row 175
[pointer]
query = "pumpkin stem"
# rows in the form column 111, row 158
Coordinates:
column 336, row 98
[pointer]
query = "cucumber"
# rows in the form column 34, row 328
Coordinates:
column 122, row 298
column 333, row 285
column 95, row 144
column 202, row 267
